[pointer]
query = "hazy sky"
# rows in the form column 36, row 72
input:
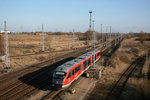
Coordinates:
column 66, row 15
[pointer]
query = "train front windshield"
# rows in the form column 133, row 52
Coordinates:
column 59, row 75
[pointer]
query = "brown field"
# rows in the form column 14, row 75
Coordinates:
column 137, row 87
column 32, row 44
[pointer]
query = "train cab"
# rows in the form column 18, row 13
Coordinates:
column 58, row 78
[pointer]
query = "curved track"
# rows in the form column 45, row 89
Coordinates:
column 56, row 95
column 117, row 89
column 30, row 83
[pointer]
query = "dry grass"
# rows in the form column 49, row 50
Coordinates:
column 24, row 44
column 32, row 44
column 129, row 50
column 142, row 89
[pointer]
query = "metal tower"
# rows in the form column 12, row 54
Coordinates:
column 101, row 32
column 42, row 38
column 90, row 24
column 93, row 46
column 73, row 39
column 7, row 60
column 106, row 32
column 93, row 25
column 110, row 39
column 115, row 39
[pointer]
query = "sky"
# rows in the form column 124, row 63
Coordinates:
column 66, row 15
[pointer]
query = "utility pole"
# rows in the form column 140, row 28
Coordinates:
column 93, row 25
column 93, row 35
column 115, row 39
column 21, row 28
column 146, row 71
column 90, row 24
column 93, row 45
column 7, row 64
column 106, row 31
column 73, row 39
column 101, row 32
column 0, row 29
column 118, row 36
column 110, row 39
column 42, row 38
column 94, row 39
column 121, row 36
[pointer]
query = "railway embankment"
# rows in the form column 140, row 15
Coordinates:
column 136, row 86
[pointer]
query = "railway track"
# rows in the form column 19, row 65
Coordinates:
column 13, row 76
column 32, row 82
column 35, row 80
column 49, row 95
column 57, row 95
column 119, row 86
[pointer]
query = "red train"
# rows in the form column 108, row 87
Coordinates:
column 65, row 74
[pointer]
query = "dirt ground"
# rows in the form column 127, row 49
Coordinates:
column 89, row 88
column 32, row 44
column 137, row 87
column 128, row 51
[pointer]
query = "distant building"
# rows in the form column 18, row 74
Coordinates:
column 37, row 33
column 2, row 32
column 40, row 33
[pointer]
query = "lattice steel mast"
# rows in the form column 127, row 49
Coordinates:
column 90, row 24
column 73, row 39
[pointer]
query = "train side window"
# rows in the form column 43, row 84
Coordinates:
column 85, row 65
column 76, row 69
column 73, row 71
column 88, row 62
column 98, row 54
column 79, row 67
column 95, row 57
column 69, row 75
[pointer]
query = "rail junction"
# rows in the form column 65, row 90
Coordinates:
column 26, row 82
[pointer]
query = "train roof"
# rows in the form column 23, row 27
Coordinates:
column 66, row 66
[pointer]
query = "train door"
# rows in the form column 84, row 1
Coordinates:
column 82, row 68
column 93, row 59
column 96, row 57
